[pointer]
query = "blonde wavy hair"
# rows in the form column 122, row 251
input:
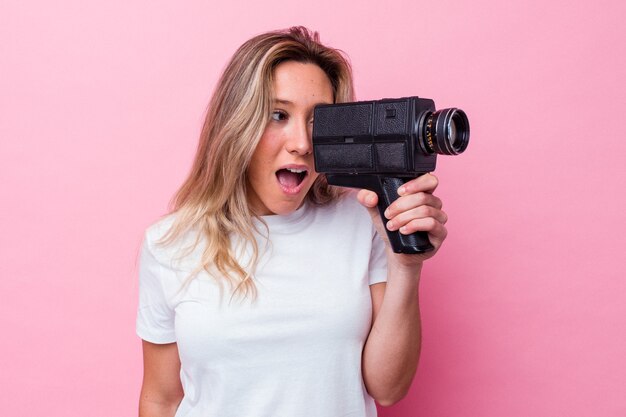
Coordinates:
column 213, row 199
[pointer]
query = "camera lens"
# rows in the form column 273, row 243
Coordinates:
column 446, row 132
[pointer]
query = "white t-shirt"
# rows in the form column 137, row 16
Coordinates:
column 293, row 352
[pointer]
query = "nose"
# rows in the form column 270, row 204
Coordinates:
column 299, row 142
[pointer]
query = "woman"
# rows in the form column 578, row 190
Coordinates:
column 267, row 292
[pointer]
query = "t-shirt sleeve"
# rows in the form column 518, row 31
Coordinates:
column 155, row 317
column 378, row 260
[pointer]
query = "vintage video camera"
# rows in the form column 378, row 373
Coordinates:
column 380, row 145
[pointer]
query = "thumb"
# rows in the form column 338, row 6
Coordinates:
column 369, row 199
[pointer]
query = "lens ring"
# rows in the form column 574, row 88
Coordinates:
column 451, row 131
column 427, row 132
column 460, row 139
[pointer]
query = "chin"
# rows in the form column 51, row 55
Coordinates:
column 278, row 201
column 285, row 208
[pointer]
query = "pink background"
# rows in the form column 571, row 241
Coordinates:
column 523, row 309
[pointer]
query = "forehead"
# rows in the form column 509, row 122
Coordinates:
column 295, row 81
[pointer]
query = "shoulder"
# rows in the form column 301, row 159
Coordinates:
column 345, row 212
column 348, row 205
column 157, row 232
column 349, row 200
column 171, row 253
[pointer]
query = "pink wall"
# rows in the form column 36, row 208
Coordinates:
column 524, row 311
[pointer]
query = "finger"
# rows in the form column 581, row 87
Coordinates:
column 367, row 198
column 437, row 236
column 437, row 232
column 426, row 183
column 421, row 212
column 412, row 201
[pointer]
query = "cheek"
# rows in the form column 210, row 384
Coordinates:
column 261, row 158
column 268, row 148
column 258, row 171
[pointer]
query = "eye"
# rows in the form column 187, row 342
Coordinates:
column 279, row 115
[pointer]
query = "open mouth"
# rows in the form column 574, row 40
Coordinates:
column 291, row 178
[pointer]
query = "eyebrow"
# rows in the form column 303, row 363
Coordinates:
column 289, row 103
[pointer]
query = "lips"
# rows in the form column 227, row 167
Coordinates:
column 291, row 178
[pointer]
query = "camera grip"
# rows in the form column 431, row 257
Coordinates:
column 415, row 242
column 387, row 190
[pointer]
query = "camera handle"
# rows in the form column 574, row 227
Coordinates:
column 387, row 190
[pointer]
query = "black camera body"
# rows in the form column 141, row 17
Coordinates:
column 380, row 145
